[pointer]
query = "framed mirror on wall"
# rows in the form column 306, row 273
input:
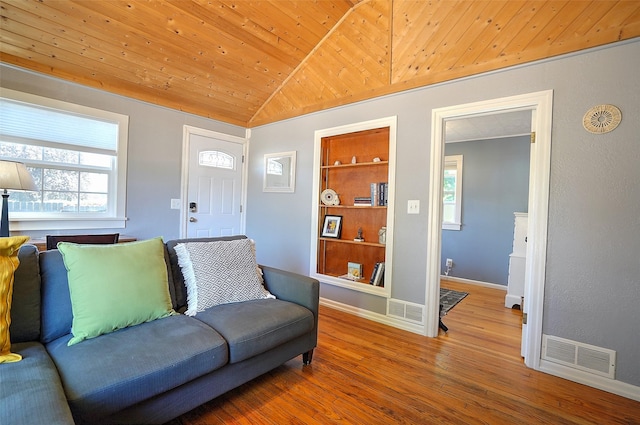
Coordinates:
column 279, row 172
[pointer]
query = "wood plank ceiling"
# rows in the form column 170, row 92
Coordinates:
column 251, row 62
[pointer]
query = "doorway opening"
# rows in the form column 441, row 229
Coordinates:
column 540, row 105
column 485, row 198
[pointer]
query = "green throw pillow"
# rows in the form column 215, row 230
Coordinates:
column 115, row 286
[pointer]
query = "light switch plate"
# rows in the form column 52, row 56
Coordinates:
column 413, row 206
column 175, row 204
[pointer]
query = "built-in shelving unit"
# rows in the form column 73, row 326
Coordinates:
column 349, row 160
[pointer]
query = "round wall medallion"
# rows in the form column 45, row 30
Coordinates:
column 601, row 119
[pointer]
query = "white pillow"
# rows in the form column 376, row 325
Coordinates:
column 219, row 272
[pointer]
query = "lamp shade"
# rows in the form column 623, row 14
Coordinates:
column 15, row 176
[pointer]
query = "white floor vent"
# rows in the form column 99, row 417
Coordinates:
column 406, row 311
column 588, row 358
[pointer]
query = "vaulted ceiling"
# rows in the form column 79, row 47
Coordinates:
column 254, row 62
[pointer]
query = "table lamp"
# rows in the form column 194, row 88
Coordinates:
column 13, row 176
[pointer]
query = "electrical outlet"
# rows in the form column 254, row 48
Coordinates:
column 449, row 262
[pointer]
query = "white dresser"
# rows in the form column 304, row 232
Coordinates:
column 517, row 261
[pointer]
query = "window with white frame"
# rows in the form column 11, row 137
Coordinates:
column 452, row 193
column 77, row 156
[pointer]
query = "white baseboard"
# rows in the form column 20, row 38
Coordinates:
column 370, row 315
column 474, row 282
column 609, row 385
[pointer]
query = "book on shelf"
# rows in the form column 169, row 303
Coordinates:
column 378, row 277
column 383, row 193
column 379, row 194
column 374, row 194
column 360, row 201
column 354, row 270
column 373, row 273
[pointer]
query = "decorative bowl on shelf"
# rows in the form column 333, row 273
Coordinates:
column 329, row 197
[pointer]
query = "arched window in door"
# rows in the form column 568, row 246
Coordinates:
column 216, row 159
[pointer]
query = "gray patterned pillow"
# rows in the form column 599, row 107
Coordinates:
column 219, row 272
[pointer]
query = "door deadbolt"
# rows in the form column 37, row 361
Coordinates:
column 193, row 207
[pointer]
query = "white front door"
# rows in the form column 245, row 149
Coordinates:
column 214, row 184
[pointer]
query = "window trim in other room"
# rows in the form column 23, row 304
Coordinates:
column 453, row 162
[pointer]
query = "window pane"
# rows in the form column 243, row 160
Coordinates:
column 94, row 182
column 450, row 180
column 13, row 150
column 449, row 213
column 96, row 160
column 61, row 155
column 60, row 180
column 24, row 201
column 36, row 173
column 92, row 202
column 60, row 202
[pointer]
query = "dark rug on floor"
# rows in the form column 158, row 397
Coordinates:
column 449, row 298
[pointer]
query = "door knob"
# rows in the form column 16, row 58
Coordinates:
column 192, row 219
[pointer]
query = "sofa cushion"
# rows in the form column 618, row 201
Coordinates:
column 25, row 308
column 56, row 302
column 219, row 272
column 115, row 286
column 180, row 290
column 31, row 391
column 106, row 374
column 253, row 327
column 9, row 247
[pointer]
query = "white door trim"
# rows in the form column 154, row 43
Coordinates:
column 541, row 103
column 184, row 178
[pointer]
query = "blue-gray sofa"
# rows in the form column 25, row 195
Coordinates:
column 151, row 372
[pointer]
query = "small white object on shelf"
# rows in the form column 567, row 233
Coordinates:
column 382, row 235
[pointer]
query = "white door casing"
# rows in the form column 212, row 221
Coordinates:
column 218, row 193
column 541, row 104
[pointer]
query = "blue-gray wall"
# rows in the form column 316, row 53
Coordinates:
column 592, row 286
column 495, row 184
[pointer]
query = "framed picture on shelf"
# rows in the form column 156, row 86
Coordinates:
column 354, row 271
column 332, row 226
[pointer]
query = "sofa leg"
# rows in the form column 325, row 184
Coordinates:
column 307, row 357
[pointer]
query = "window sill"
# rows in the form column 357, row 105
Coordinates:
column 71, row 223
column 451, row 226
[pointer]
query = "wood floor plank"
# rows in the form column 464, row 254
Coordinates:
column 364, row 372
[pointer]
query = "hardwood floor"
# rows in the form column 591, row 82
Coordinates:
column 367, row 373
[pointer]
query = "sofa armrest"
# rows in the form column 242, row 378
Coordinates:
column 293, row 287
